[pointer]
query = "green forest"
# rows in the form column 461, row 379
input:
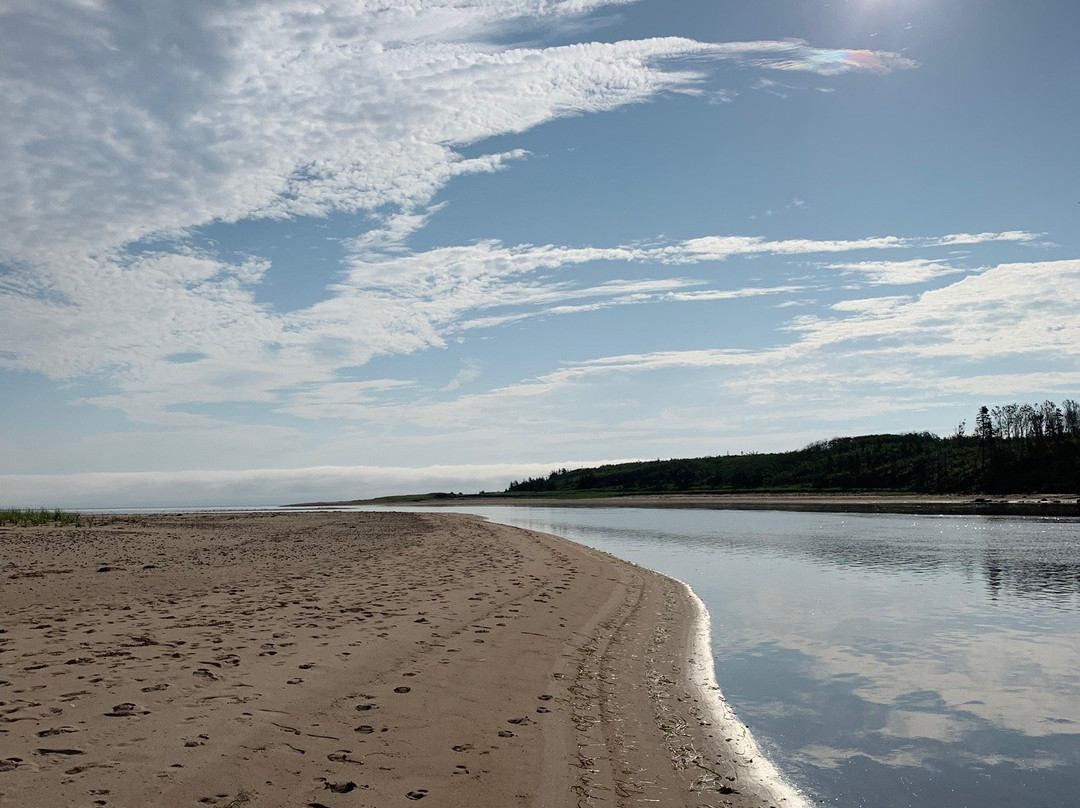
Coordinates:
column 1014, row 448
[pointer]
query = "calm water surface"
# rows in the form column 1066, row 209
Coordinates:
column 882, row 660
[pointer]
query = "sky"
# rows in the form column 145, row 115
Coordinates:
column 267, row 251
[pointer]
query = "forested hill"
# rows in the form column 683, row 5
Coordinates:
column 1010, row 452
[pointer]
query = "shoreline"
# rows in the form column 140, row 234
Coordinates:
column 1052, row 505
column 361, row 659
column 741, row 741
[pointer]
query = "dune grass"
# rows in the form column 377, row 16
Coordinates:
column 26, row 517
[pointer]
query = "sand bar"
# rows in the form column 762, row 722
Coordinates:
column 354, row 659
column 930, row 504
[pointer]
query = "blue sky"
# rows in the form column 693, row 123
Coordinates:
column 260, row 252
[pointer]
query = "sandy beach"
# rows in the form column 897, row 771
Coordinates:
column 354, row 659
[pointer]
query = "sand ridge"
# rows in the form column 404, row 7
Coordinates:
column 1049, row 504
column 348, row 659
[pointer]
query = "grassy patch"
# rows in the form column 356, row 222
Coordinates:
column 26, row 517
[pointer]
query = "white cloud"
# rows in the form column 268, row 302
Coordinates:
column 1006, row 311
column 731, row 294
column 123, row 318
column 896, row 273
column 471, row 370
column 125, row 124
column 875, row 356
column 119, row 124
column 340, row 399
column 1024, row 386
column 722, row 247
column 873, row 306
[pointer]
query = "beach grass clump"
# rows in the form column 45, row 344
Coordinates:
column 27, row 517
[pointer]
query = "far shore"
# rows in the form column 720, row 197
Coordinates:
column 982, row 505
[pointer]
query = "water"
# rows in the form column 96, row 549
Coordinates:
column 884, row 661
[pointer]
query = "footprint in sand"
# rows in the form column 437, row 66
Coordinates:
column 402, row 689
column 505, row 733
column 419, row 794
column 364, row 707
column 126, row 710
column 340, row 788
column 365, row 729
column 342, row 756
column 46, row 733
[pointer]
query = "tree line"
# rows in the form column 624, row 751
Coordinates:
column 1029, row 421
column 1014, row 448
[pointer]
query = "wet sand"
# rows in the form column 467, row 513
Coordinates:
column 354, row 659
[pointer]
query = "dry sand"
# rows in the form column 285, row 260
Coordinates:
column 353, row 659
